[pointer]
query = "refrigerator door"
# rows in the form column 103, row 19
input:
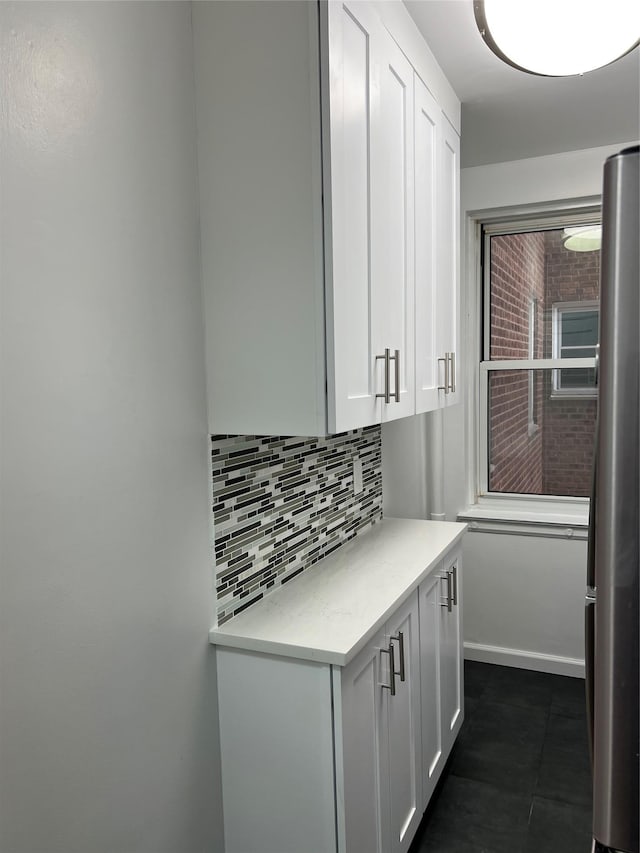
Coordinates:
column 617, row 551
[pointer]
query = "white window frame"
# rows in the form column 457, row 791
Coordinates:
column 558, row 309
column 502, row 505
column 532, row 425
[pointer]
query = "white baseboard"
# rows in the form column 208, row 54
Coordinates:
column 524, row 659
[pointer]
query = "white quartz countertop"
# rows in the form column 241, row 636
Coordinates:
column 332, row 609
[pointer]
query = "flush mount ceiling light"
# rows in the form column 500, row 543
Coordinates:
column 583, row 238
column 558, row 38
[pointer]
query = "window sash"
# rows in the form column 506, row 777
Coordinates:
column 524, row 225
column 487, row 367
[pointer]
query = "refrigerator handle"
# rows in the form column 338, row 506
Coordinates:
column 590, row 602
column 591, row 538
column 589, row 642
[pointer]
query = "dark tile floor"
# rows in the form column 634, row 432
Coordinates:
column 518, row 779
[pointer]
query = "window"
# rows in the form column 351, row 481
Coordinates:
column 575, row 335
column 537, row 393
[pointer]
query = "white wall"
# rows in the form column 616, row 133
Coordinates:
column 405, row 467
column 107, row 705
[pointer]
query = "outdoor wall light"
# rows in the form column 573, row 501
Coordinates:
column 583, row 238
column 559, row 38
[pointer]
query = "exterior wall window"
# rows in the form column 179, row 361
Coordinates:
column 537, row 398
column 575, row 335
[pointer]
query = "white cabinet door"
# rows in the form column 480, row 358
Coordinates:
column 369, row 224
column 404, row 727
column 352, row 160
column 430, row 620
column 380, row 737
column 365, row 748
column 441, row 668
column 427, row 123
column 393, row 270
column 447, row 305
column 451, row 654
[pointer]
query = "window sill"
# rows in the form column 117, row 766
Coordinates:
column 557, row 519
column 578, row 395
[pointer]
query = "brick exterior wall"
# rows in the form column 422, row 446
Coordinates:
column 517, row 276
column 556, row 457
column 570, row 423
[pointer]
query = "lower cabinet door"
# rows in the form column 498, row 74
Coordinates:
column 431, row 598
column 364, row 749
column 404, row 727
column 381, row 745
column 441, row 669
column 451, row 655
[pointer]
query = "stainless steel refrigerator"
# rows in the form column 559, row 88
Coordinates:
column 612, row 638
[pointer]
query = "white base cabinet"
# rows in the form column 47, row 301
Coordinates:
column 319, row 758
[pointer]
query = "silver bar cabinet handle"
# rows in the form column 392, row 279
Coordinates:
column 445, row 387
column 387, row 375
column 452, row 359
column 387, row 372
column 454, row 577
column 448, row 602
column 391, row 687
column 399, row 638
column 396, row 358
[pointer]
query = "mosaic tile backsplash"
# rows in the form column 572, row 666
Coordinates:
column 281, row 504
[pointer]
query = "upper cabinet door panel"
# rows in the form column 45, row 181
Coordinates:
column 355, row 37
column 428, row 121
column 448, row 252
column 394, row 246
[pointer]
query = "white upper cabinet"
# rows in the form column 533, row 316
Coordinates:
column 309, row 148
column 428, row 134
column 437, row 169
column 394, row 251
column 353, row 170
column 447, row 259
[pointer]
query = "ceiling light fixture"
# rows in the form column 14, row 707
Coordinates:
column 583, row 238
column 559, row 38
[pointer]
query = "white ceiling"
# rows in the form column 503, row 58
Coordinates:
column 508, row 114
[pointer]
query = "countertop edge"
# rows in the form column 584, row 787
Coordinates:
column 217, row 637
